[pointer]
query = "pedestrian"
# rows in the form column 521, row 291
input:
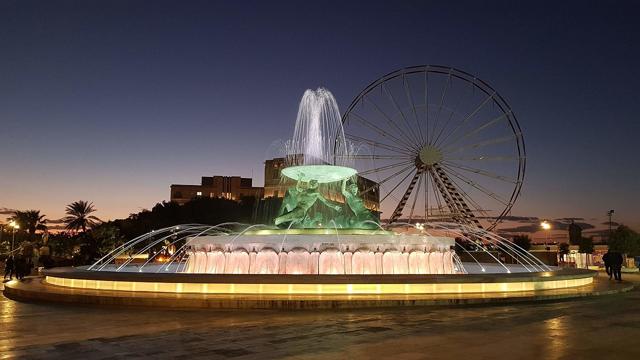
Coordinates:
column 9, row 267
column 606, row 258
column 20, row 265
column 616, row 265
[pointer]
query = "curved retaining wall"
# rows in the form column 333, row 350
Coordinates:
column 317, row 284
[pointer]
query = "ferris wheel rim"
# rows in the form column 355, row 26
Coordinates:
column 483, row 86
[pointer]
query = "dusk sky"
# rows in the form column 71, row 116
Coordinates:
column 113, row 101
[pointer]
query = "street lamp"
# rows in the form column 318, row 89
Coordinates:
column 610, row 214
column 545, row 225
column 15, row 227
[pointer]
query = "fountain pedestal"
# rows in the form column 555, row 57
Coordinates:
column 308, row 252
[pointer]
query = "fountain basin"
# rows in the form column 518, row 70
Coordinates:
column 228, row 284
column 307, row 253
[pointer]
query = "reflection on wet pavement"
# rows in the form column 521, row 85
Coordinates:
column 595, row 328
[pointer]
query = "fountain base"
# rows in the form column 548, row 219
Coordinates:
column 309, row 252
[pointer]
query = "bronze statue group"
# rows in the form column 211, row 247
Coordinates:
column 300, row 199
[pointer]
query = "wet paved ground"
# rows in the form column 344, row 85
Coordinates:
column 606, row 327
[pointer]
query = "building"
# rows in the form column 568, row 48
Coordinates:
column 227, row 187
column 276, row 185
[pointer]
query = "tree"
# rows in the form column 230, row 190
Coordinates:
column 61, row 244
column 106, row 237
column 30, row 221
column 586, row 245
column 203, row 210
column 79, row 216
column 522, row 241
column 625, row 240
column 563, row 249
column 575, row 233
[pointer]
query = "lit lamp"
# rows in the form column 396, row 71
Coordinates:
column 545, row 225
column 15, row 227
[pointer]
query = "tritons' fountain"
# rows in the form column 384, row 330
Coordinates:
column 314, row 235
column 324, row 241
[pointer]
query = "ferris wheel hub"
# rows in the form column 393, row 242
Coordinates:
column 430, row 155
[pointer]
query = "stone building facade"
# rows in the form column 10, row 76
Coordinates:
column 227, row 187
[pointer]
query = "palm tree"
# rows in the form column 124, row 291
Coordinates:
column 30, row 220
column 78, row 216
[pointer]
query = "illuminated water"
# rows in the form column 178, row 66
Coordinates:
column 434, row 248
column 318, row 134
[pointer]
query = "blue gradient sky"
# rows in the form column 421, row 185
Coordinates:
column 112, row 101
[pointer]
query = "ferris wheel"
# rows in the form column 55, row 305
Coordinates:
column 441, row 144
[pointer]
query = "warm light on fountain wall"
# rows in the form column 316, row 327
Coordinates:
column 318, row 289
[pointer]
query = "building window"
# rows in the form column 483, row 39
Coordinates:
column 199, row 193
column 177, row 195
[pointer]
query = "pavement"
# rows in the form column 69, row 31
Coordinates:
column 601, row 327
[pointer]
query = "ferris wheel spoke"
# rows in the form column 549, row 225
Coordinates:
column 436, row 193
column 444, row 126
column 494, row 141
column 425, row 176
column 393, row 124
column 470, row 200
column 471, row 115
column 477, row 186
column 426, row 104
column 383, row 168
column 486, row 158
column 397, row 173
column 383, row 133
column 399, row 110
column 444, row 93
column 407, row 90
column 425, row 193
column 378, row 144
column 475, row 131
column 398, row 184
column 374, row 157
column 481, row 172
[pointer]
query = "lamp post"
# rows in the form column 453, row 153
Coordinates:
column 610, row 214
column 546, row 226
column 15, row 227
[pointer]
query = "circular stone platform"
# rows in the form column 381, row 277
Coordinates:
column 304, row 292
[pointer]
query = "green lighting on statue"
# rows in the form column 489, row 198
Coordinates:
column 323, row 174
column 304, row 206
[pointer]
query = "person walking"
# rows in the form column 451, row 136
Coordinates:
column 616, row 265
column 20, row 264
column 606, row 258
column 9, row 267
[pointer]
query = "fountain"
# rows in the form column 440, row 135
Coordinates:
column 312, row 235
column 318, row 162
column 323, row 241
